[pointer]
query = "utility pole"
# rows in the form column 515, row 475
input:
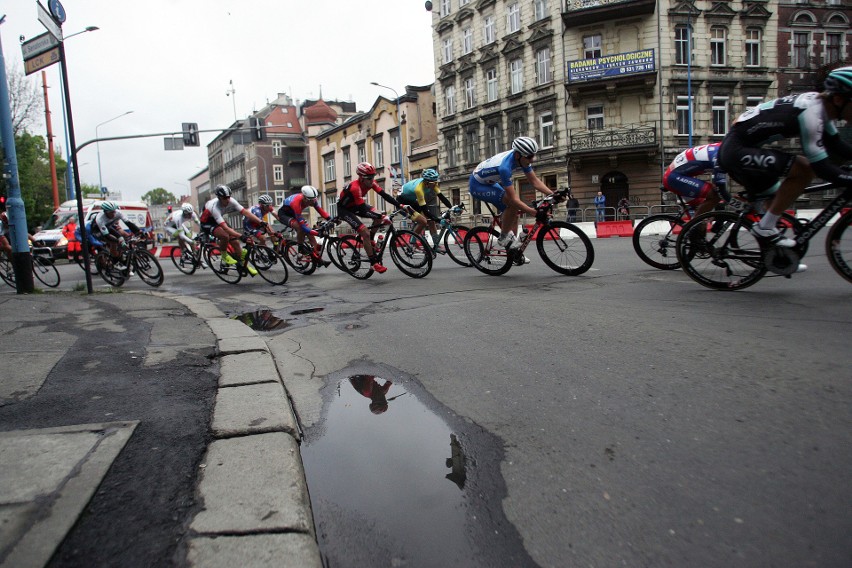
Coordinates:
column 54, row 183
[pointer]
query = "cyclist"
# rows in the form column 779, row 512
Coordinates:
column 766, row 171
column 105, row 228
column 681, row 178
column 261, row 210
column 213, row 223
column 176, row 225
column 351, row 206
column 5, row 245
column 415, row 194
column 491, row 182
column 290, row 214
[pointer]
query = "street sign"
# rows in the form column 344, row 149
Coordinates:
column 46, row 59
column 38, row 45
column 173, row 143
column 48, row 22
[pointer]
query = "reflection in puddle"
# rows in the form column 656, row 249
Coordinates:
column 392, row 484
column 306, row 311
column 262, row 320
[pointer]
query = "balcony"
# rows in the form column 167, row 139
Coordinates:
column 613, row 140
column 584, row 12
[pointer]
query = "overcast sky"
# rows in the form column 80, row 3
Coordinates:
column 171, row 61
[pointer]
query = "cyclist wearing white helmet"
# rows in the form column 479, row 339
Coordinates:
column 762, row 171
column 261, row 210
column 177, row 224
column 420, row 194
column 105, row 226
column 291, row 215
column 213, row 223
column 492, row 182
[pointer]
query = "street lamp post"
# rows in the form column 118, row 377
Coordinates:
column 399, row 125
column 98, row 145
column 265, row 173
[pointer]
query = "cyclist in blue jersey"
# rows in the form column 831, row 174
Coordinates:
column 766, row 171
column 681, row 178
column 491, row 182
column 261, row 210
column 291, row 214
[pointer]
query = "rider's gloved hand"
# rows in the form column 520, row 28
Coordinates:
column 541, row 214
column 386, row 220
column 263, row 224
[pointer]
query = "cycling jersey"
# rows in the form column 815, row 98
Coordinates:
column 4, row 224
column 416, row 190
column 251, row 226
column 488, row 180
column 352, row 196
column 292, row 209
column 214, row 213
column 103, row 225
column 680, row 178
column 177, row 221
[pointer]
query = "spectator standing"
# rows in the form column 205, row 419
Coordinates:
column 69, row 232
column 600, row 205
column 573, row 205
column 624, row 208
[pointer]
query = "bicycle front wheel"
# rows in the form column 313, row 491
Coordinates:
column 838, row 247
column 353, row 258
column 717, row 250
column 411, row 254
column 654, row 240
column 148, row 267
column 7, row 271
column 93, row 266
column 270, row 265
column 45, row 272
column 454, row 244
column 111, row 274
column 565, row 248
column 298, row 260
column 225, row 272
column 485, row 253
column 184, row 260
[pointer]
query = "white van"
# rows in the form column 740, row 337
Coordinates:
column 51, row 233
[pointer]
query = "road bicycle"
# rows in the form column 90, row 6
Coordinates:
column 269, row 264
column 452, row 236
column 301, row 258
column 409, row 251
column 717, row 249
column 563, row 246
column 188, row 258
column 43, row 269
column 133, row 258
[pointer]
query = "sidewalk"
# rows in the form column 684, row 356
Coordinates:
column 254, row 508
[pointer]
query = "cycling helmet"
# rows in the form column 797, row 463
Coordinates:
column 525, row 146
column 430, row 175
column 264, row 200
column 366, row 169
column 310, row 192
column 187, row 208
column 839, row 82
column 108, row 206
column 223, row 191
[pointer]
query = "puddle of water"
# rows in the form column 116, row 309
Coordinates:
column 262, row 320
column 306, row 311
column 393, row 484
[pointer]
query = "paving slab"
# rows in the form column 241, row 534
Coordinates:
column 289, row 550
column 253, row 409
column 241, row 344
column 246, row 369
column 228, row 328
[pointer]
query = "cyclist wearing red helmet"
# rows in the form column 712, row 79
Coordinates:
column 351, row 205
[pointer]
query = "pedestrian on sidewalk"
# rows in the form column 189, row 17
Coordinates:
column 600, row 205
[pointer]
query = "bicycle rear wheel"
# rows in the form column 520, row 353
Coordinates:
column 353, row 258
column 485, row 253
column 411, row 254
column 184, row 260
column 225, row 272
column 148, row 267
column 109, row 272
column 565, row 248
column 717, row 250
column 454, row 244
column 654, row 240
column 270, row 265
column 331, row 246
column 299, row 260
column 45, row 272
column 838, row 246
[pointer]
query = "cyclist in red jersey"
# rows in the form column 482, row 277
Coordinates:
column 351, row 205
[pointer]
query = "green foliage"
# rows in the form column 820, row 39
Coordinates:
column 159, row 196
column 34, row 178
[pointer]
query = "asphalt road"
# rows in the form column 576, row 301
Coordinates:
column 624, row 417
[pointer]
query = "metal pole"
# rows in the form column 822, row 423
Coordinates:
column 689, row 72
column 399, row 126
column 51, row 157
column 265, row 173
column 100, row 181
column 660, row 94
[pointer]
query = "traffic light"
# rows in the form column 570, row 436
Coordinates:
column 257, row 130
column 190, row 133
column 170, row 208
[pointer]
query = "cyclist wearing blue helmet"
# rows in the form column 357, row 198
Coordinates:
column 420, row 194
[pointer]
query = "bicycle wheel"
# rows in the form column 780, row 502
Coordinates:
column 299, row 260
column 411, row 254
column 654, row 240
column 45, row 272
column 717, row 250
column 838, row 247
column 331, row 246
column 7, row 272
column 454, row 244
column 485, row 253
column 147, row 267
column 270, row 265
column 226, row 272
column 111, row 274
column 352, row 257
column 93, row 266
column 184, row 260
column 565, row 248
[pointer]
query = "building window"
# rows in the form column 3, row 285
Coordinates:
column 513, row 17
column 445, row 8
column 801, row 43
column 362, row 153
column 494, row 139
column 595, row 117
column 542, row 66
column 276, row 148
column 450, row 99
column 516, row 72
column 469, row 93
column 396, row 155
column 682, row 45
column 684, row 127
column 452, row 151
column 545, row 129
column 330, row 174
column 540, row 9
column 720, row 116
column 467, row 41
column 490, row 32
column 592, row 46
column 517, row 127
column 471, row 145
column 752, row 47
column 833, row 47
column 752, row 102
column 347, row 163
column 279, row 197
column 463, row 3
column 491, row 84
column 378, row 153
column 448, row 49
column 718, row 45
column 278, row 173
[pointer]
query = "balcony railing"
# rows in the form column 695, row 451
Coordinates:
column 584, row 12
column 636, row 136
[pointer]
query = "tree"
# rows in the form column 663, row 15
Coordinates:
column 25, row 101
column 159, row 196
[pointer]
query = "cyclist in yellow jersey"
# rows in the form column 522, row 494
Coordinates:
column 416, row 194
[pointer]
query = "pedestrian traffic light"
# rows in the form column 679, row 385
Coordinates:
column 190, row 133
column 257, row 130
column 170, row 208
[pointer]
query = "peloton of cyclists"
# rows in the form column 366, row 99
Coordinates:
column 290, row 215
column 261, row 210
column 213, row 223
column 416, row 194
column 105, row 227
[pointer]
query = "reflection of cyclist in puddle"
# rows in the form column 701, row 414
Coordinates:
column 262, row 320
column 367, row 386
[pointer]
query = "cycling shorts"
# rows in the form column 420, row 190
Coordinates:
column 488, row 192
column 352, row 216
column 759, row 170
column 693, row 190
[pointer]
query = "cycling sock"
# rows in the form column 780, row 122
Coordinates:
column 768, row 221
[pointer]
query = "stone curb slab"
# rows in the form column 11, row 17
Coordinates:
column 246, row 369
column 252, row 409
column 288, row 550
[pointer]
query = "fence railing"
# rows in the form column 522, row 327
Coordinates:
column 627, row 137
